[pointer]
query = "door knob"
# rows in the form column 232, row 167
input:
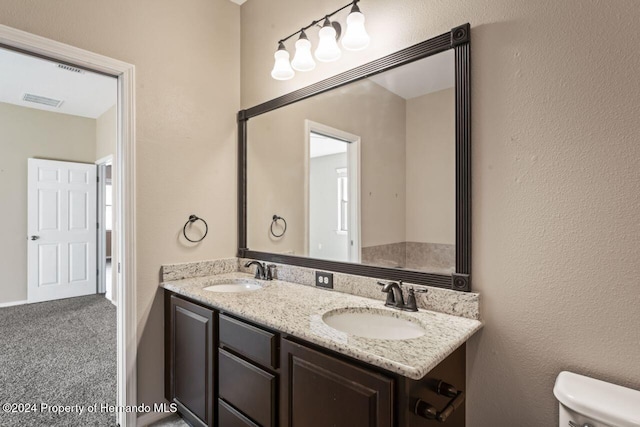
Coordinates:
column 35, row 237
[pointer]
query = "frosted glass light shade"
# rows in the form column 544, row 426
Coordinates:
column 282, row 68
column 303, row 60
column 356, row 37
column 328, row 50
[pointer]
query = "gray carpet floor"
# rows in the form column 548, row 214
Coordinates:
column 59, row 353
column 172, row 421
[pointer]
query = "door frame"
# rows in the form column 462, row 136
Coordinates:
column 101, row 165
column 354, row 180
column 124, row 214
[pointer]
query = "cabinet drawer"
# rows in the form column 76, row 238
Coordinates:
column 229, row 417
column 248, row 388
column 250, row 341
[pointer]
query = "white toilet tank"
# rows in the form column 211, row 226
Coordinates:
column 589, row 402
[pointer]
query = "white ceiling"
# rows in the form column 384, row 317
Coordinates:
column 419, row 78
column 324, row 146
column 84, row 94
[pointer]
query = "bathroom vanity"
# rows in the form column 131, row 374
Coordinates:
column 267, row 357
column 347, row 176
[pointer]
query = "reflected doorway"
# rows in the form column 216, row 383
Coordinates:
column 333, row 193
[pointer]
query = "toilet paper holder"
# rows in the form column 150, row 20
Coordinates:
column 428, row 411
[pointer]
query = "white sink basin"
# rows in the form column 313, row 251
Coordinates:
column 373, row 323
column 234, row 285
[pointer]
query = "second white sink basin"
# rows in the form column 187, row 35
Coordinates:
column 373, row 323
column 234, row 285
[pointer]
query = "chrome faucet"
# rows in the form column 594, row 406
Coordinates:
column 263, row 272
column 395, row 298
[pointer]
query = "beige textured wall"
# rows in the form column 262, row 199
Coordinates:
column 187, row 90
column 107, row 133
column 24, row 133
column 431, row 168
column 276, row 139
column 556, row 236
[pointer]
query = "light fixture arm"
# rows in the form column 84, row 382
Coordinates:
column 354, row 4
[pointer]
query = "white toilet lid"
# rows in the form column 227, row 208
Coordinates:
column 605, row 402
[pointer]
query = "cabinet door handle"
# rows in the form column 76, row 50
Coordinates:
column 428, row 411
column 35, row 237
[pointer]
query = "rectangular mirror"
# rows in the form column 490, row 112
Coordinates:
column 367, row 174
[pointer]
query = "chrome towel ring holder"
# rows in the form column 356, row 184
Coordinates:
column 191, row 220
column 275, row 220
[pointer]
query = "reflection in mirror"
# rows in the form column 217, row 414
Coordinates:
column 333, row 220
column 363, row 173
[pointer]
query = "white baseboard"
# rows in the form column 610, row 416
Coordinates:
column 151, row 417
column 12, row 303
column 112, row 301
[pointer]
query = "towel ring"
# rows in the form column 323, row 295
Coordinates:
column 275, row 220
column 191, row 220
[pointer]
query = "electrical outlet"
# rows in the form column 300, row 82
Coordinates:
column 324, row 280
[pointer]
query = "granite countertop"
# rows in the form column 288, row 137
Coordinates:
column 298, row 309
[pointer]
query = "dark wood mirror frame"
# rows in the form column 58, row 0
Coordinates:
column 457, row 39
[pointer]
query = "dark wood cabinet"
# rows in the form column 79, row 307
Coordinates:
column 224, row 371
column 451, row 371
column 248, row 380
column 248, row 388
column 318, row 390
column 191, row 344
column 256, row 344
column 228, row 416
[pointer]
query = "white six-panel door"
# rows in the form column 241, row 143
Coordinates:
column 61, row 227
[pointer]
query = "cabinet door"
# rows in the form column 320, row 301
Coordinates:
column 191, row 368
column 321, row 391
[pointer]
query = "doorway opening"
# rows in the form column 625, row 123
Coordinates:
column 332, row 195
column 55, row 119
column 77, row 62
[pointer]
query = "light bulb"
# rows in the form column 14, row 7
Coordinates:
column 356, row 37
column 282, row 69
column 328, row 50
column 302, row 60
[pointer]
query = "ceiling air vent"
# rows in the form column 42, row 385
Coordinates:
column 42, row 100
column 70, row 68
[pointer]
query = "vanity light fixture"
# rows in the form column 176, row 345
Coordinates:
column 328, row 50
column 356, row 38
column 282, row 69
column 303, row 60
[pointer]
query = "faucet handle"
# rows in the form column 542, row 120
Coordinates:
column 411, row 304
column 269, row 271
